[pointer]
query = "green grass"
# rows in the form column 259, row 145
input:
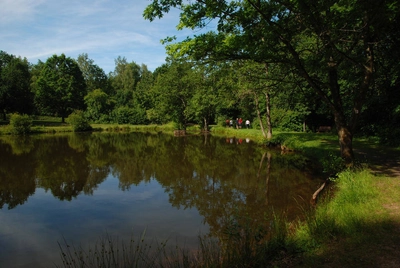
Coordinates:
column 352, row 228
column 352, row 208
column 253, row 134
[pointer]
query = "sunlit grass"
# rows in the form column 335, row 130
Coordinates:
column 252, row 134
column 350, row 209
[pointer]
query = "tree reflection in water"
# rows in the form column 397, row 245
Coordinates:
column 232, row 184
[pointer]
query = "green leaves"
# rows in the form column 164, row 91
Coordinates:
column 15, row 94
column 78, row 121
column 60, row 87
column 20, row 124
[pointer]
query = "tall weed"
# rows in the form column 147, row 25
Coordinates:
column 111, row 252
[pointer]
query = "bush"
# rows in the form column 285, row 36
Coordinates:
column 78, row 121
column 127, row 115
column 221, row 121
column 20, row 124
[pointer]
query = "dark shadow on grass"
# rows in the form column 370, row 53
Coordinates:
column 48, row 123
column 382, row 160
column 377, row 245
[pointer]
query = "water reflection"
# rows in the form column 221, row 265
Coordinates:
column 225, row 180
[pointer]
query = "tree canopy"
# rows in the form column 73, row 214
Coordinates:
column 329, row 45
column 60, row 87
column 289, row 65
column 15, row 94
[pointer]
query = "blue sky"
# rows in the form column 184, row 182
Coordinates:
column 104, row 29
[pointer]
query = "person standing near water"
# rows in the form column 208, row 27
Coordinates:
column 247, row 123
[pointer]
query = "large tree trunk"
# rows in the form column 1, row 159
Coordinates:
column 268, row 115
column 345, row 133
column 268, row 107
column 205, row 124
column 259, row 115
column 345, row 141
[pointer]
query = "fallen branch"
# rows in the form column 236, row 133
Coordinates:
column 315, row 195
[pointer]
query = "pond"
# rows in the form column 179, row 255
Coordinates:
column 79, row 187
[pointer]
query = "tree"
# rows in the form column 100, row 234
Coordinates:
column 173, row 90
column 205, row 97
column 61, row 87
column 329, row 44
column 142, row 95
column 130, row 83
column 15, row 91
column 99, row 106
column 95, row 77
column 35, row 70
column 124, row 80
column 253, row 81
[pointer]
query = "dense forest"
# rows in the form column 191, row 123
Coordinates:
column 287, row 65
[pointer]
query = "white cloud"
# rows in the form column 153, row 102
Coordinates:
column 17, row 10
column 104, row 29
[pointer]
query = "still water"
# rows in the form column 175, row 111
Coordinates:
column 77, row 188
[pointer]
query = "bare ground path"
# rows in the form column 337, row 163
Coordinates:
column 386, row 162
column 382, row 161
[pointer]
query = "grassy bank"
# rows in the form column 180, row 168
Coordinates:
column 351, row 228
column 45, row 125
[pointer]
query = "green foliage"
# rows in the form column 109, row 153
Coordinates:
column 287, row 120
column 221, row 121
column 332, row 164
column 78, row 121
column 303, row 40
column 60, row 88
column 124, row 80
column 15, row 92
column 94, row 76
column 155, row 117
column 389, row 135
column 98, row 105
column 20, row 124
column 290, row 142
column 173, row 90
column 127, row 115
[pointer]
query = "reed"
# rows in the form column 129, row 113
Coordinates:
column 240, row 247
column 112, row 252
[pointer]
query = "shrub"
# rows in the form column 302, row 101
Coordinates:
column 127, row 115
column 20, row 124
column 78, row 121
column 221, row 121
